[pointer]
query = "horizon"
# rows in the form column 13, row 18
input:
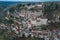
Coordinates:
column 31, row 0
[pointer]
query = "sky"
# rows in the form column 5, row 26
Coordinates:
column 30, row 0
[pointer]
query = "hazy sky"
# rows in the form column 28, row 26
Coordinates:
column 30, row 0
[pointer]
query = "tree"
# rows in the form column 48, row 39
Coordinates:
column 1, row 20
column 48, row 9
column 10, row 21
column 12, row 9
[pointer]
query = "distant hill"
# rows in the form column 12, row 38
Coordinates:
column 8, row 3
column 5, row 4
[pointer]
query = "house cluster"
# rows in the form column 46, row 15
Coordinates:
column 32, row 18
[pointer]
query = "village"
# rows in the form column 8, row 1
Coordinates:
column 26, row 23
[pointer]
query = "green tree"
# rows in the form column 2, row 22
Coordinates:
column 10, row 21
column 48, row 9
column 12, row 9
